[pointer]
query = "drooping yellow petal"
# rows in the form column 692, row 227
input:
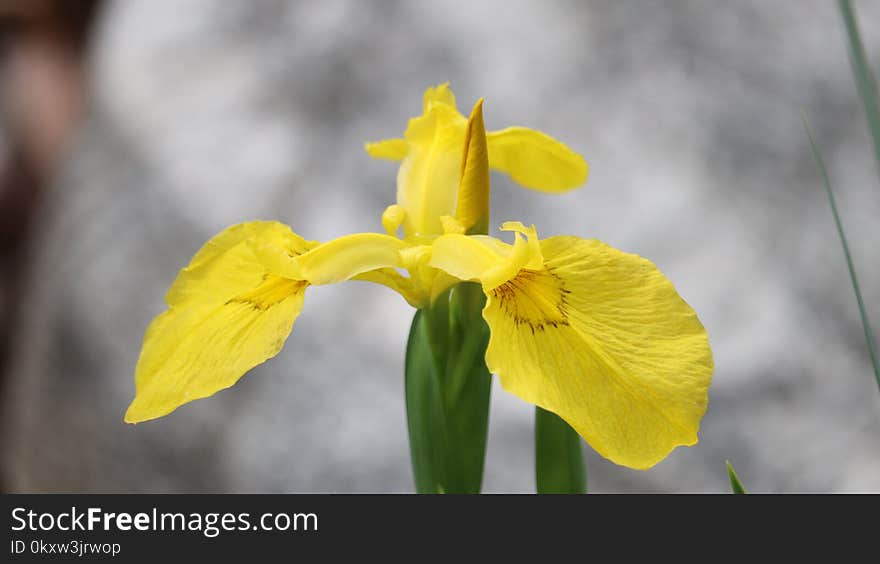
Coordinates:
column 472, row 207
column 536, row 160
column 223, row 267
column 601, row 338
column 233, row 307
column 227, row 314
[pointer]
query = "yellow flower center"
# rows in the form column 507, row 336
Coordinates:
column 536, row 298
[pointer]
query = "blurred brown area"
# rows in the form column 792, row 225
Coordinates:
column 43, row 46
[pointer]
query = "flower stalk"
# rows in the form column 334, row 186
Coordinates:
column 559, row 460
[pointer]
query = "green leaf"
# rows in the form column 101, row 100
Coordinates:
column 735, row 485
column 864, row 78
column 866, row 325
column 426, row 418
column 559, row 460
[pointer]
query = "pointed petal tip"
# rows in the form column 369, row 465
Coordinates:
column 387, row 149
column 137, row 414
column 131, row 416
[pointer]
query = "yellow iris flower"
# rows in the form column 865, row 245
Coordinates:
column 598, row 336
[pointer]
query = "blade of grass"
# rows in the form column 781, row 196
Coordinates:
column 862, row 74
column 869, row 334
column 735, row 485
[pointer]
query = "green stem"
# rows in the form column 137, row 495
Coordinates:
column 559, row 459
column 426, row 417
column 447, row 393
column 467, row 388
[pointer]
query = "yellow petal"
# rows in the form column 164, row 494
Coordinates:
column 224, row 266
column 392, row 218
column 601, row 338
column 525, row 254
column 440, row 93
column 427, row 182
column 486, row 259
column 390, row 278
column 227, row 314
column 536, row 160
column 472, row 208
column 467, row 257
column 346, row 257
column 389, row 149
column 398, row 149
column 451, row 225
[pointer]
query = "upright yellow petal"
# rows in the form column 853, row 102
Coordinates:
column 472, row 208
column 536, row 160
column 441, row 93
column 601, row 338
column 398, row 149
column 427, row 182
column 227, row 314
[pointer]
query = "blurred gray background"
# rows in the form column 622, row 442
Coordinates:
column 206, row 113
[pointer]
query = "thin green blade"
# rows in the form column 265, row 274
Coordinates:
column 864, row 78
column 559, row 459
column 735, row 485
column 866, row 325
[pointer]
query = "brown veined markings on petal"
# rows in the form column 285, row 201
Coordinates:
column 273, row 290
column 536, row 298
